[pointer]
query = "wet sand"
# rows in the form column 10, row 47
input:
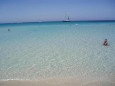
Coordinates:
column 54, row 82
column 48, row 82
column 100, row 83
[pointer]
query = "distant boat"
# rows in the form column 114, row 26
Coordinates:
column 67, row 20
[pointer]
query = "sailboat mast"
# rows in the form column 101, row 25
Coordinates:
column 68, row 18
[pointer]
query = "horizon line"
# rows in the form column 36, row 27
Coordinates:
column 59, row 21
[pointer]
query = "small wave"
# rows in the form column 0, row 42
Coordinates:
column 13, row 79
column 76, row 24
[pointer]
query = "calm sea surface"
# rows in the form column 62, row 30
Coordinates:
column 57, row 49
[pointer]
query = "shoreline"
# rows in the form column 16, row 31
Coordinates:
column 56, row 82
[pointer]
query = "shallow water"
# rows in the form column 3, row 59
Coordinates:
column 46, row 50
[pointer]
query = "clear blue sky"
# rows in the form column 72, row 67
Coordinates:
column 51, row 10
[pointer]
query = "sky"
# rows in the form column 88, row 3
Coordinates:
column 55, row 10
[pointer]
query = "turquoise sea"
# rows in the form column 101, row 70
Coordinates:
column 31, row 51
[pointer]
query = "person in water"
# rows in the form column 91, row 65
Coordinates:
column 8, row 29
column 105, row 42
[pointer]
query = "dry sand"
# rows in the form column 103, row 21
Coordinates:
column 54, row 82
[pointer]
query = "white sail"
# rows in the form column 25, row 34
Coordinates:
column 67, row 19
